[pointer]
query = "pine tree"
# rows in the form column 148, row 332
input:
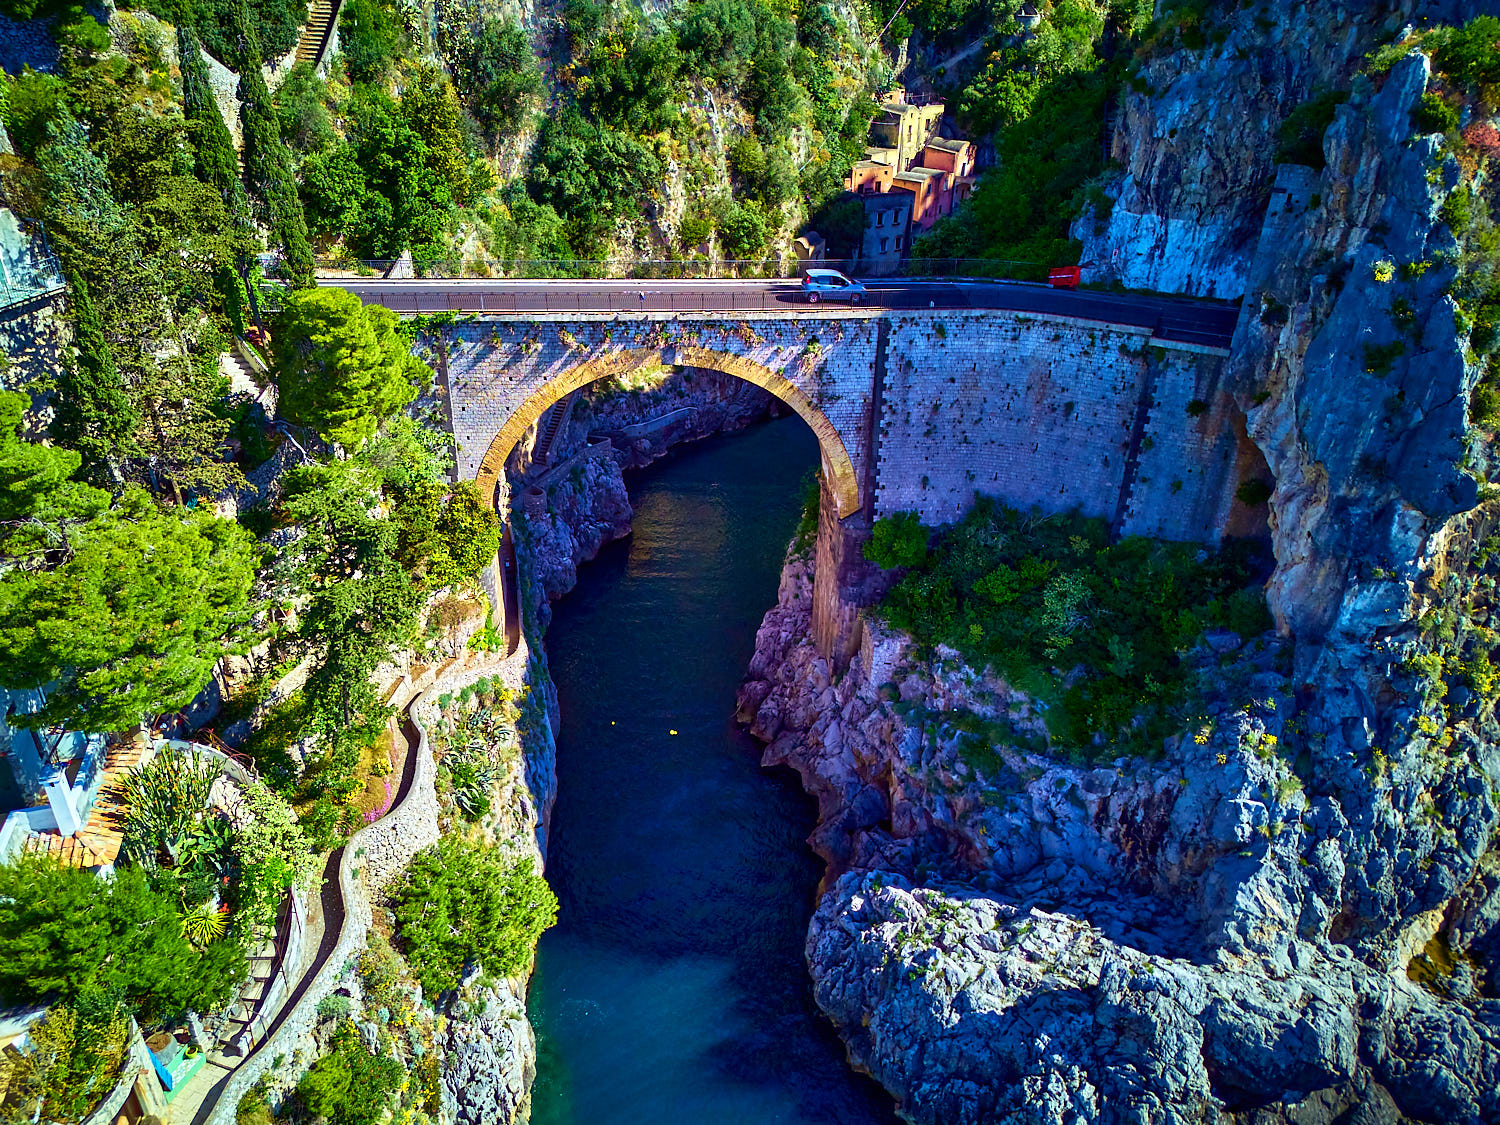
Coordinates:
column 342, row 366
column 215, row 163
column 214, row 160
column 268, row 164
column 91, row 411
column 132, row 621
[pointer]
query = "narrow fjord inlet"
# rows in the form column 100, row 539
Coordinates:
column 673, row 987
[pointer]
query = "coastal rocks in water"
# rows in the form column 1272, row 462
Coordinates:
column 687, row 405
column 1213, row 865
column 584, row 509
column 490, row 1061
column 976, row 1009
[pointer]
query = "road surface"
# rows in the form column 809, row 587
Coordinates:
column 1210, row 323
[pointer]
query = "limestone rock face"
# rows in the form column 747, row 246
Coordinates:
column 1291, row 914
column 1132, row 940
column 1196, row 134
column 977, row 1008
column 490, row 1063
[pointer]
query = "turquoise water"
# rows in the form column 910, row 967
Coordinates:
column 673, row 989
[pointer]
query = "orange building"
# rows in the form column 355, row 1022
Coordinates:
column 909, row 157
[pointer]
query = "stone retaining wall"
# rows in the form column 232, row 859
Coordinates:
column 378, row 853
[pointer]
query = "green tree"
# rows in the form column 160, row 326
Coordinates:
column 898, row 540
column 214, row 159
column 66, row 934
column 592, row 175
column 447, row 536
column 507, row 82
column 91, row 412
column 743, row 231
column 304, row 121
column 342, row 366
column 359, row 608
column 268, row 166
column 32, row 100
column 41, row 506
column 368, row 39
column 133, row 620
column 431, row 110
column 461, row 902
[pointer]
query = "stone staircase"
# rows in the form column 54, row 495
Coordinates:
column 548, row 429
column 317, row 33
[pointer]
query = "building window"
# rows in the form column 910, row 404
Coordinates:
column 898, row 242
column 884, row 244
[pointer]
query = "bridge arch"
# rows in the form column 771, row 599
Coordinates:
column 839, row 475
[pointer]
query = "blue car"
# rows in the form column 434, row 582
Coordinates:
column 830, row 285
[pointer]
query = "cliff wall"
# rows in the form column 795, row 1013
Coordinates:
column 1293, row 914
column 1196, row 133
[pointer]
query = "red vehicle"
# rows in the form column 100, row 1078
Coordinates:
column 1064, row 277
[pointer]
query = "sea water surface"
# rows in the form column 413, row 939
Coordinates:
column 673, row 989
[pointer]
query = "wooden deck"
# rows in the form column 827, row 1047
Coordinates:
column 98, row 841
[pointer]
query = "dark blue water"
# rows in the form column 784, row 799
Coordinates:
column 673, row 989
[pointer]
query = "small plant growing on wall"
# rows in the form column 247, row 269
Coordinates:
column 1253, row 492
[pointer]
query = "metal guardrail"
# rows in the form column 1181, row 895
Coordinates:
column 646, row 269
column 29, row 270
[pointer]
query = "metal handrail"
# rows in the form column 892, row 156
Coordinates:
column 671, row 269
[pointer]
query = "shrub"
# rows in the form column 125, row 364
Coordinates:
column 898, row 540
column 461, row 903
column 74, row 1060
column 350, row 1086
column 1470, row 54
column 368, row 39
column 1253, row 492
column 743, row 231
column 1033, row 597
column 66, row 934
column 1299, row 139
column 506, row 80
column 1434, row 115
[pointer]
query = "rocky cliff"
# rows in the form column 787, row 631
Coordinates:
column 1293, row 914
column 1195, row 133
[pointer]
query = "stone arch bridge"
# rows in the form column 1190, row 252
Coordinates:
column 913, row 410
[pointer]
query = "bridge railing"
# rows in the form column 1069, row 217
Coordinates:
column 561, row 269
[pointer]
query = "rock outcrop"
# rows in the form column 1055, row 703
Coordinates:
column 1008, row 937
column 1196, row 135
column 1291, row 914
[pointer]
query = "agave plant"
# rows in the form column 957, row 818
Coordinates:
column 165, row 805
column 204, row 923
column 472, row 775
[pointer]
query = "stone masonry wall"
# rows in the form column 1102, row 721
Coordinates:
column 371, row 858
column 504, row 370
column 1191, row 455
column 1053, row 412
column 1037, row 410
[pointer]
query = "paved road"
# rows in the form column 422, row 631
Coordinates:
column 1173, row 318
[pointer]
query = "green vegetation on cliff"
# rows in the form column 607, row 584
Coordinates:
column 1096, row 630
column 461, row 903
